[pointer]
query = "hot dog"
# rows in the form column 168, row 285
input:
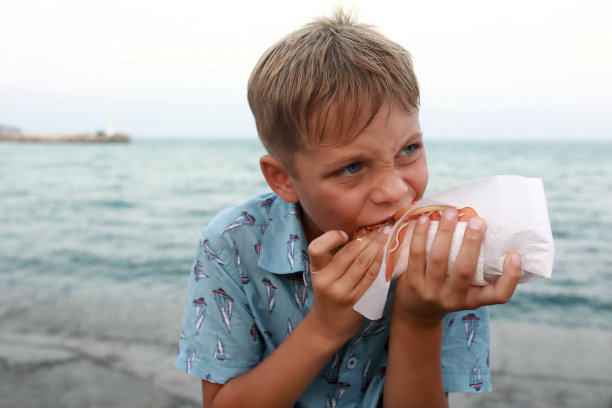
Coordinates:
column 401, row 222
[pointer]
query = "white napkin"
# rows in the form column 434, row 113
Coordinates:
column 515, row 211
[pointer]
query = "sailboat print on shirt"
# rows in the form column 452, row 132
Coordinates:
column 189, row 360
column 291, row 249
column 340, row 390
column 366, row 374
column 200, row 311
column 298, row 289
column 267, row 204
column 293, row 212
column 332, row 372
column 210, row 254
column 255, row 335
column 244, row 219
column 198, row 272
column 225, row 304
column 306, row 273
column 476, row 378
column 270, row 291
column 219, row 353
column 244, row 278
column 370, row 329
column 470, row 321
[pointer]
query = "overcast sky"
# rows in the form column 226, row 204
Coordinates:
column 488, row 69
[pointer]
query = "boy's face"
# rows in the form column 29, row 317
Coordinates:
column 366, row 181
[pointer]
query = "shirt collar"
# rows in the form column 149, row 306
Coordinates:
column 284, row 247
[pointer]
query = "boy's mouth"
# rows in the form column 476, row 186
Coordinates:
column 389, row 221
column 363, row 231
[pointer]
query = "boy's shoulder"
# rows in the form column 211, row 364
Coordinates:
column 255, row 213
column 264, row 225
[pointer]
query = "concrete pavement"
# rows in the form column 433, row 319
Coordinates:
column 96, row 350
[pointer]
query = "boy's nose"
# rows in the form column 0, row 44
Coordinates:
column 390, row 188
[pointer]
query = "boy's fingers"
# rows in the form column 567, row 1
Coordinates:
column 506, row 284
column 321, row 249
column 503, row 289
column 417, row 257
column 437, row 260
column 462, row 274
column 366, row 265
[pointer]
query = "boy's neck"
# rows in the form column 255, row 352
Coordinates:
column 311, row 229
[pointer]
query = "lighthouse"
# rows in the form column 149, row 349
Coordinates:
column 110, row 129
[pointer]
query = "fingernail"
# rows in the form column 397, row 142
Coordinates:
column 423, row 219
column 344, row 235
column 450, row 214
column 515, row 259
column 475, row 223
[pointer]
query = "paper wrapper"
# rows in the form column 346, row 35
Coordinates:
column 515, row 211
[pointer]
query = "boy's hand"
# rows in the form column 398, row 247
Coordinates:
column 340, row 278
column 426, row 294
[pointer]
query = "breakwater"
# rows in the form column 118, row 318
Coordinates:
column 65, row 138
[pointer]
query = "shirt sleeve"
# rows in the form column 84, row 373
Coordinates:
column 465, row 351
column 217, row 341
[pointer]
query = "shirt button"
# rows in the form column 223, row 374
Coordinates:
column 351, row 363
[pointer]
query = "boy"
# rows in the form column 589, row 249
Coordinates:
column 270, row 320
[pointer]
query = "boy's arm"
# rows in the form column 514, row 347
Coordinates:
column 338, row 282
column 280, row 379
column 423, row 296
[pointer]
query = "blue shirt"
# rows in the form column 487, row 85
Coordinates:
column 250, row 287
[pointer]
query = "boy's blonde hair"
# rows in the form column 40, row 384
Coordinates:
column 325, row 82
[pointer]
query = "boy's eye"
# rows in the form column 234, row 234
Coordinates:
column 350, row 169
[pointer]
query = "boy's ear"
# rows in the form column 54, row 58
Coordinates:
column 278, row 178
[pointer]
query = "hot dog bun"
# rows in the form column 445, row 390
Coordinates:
column 400, row 223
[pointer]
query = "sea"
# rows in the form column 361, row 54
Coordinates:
column 125, row 219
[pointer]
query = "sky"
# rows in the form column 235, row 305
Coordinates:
column 178, row 69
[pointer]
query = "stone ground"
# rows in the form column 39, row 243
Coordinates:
column 541, row 367
column 101, row 352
